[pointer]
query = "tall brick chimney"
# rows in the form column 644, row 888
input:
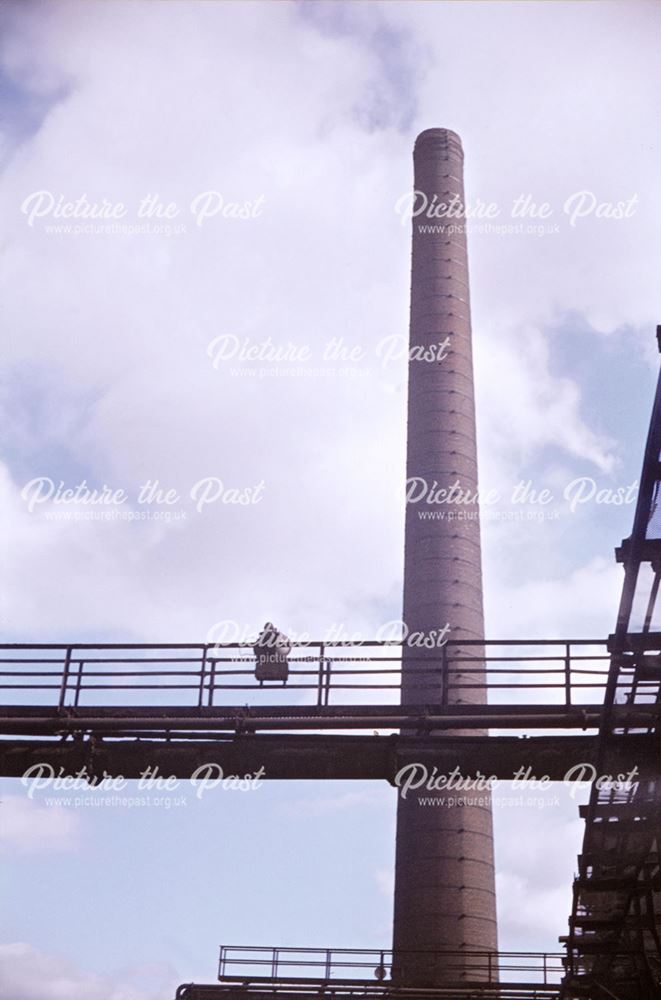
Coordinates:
column 444, row 876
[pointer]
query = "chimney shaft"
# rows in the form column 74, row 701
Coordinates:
column 444, row 876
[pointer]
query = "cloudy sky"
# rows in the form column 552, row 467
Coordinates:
column 280, row 137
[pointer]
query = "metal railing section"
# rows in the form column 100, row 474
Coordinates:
column 569, row 672
column 247, row 964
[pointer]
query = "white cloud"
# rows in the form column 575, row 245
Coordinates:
column 27, row 827
column 582, row 604
column 551, row 120
column 525, row 408
column 536, row 851
column 29, row 974
column 529, row 914
column 120, row 325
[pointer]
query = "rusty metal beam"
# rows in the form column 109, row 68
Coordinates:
column 323, row 756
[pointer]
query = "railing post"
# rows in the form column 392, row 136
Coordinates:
column 274, row 963
column 567, row 675
column 327, row 683
column 65, row 677
column 203, row 669
column 544, row 968
column 79, row 680
column 328, row 964
column 320, row 680
column 212, row 682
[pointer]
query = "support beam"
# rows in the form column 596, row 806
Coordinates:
column 336, row 758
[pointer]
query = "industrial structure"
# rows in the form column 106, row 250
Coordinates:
column 445, row 894
column 120, row 709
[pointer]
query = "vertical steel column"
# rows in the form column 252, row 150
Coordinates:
column 444, row 879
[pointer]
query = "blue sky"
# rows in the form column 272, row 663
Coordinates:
column 315, row 108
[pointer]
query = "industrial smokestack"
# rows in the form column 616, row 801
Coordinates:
column 444, row 875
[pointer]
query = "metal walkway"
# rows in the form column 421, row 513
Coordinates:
column 298, row 973
column 121, row 709
column 535, row 682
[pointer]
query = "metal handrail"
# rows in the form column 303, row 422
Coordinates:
column 241, row 962
column 208, row 669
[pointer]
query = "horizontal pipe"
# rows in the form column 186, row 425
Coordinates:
column 486, row 720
